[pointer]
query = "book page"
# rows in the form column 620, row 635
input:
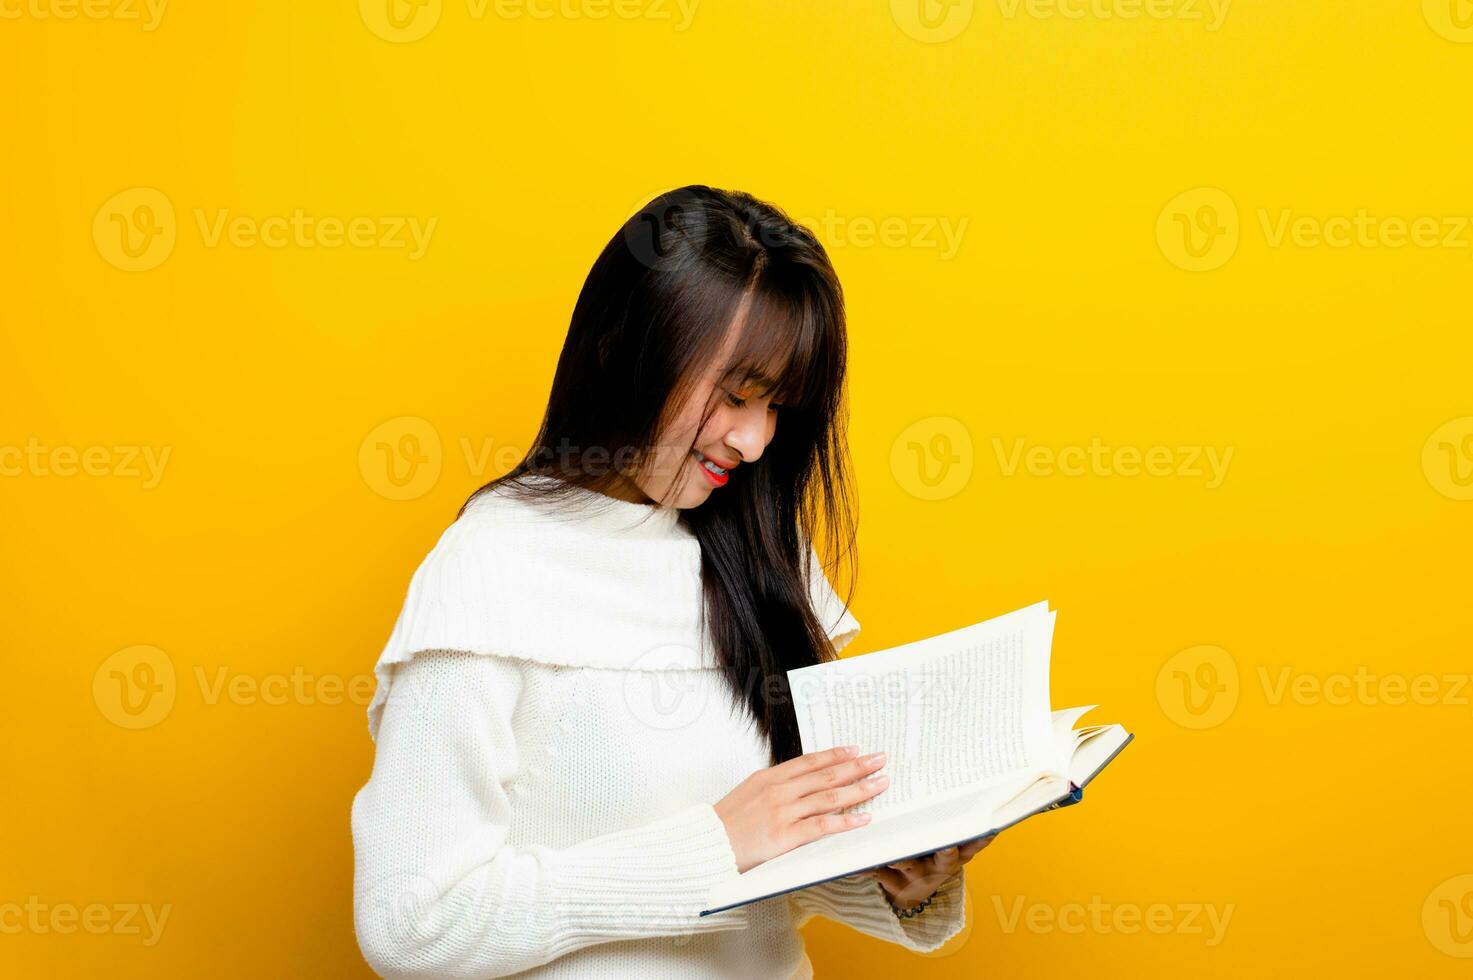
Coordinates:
column 965, row 709
column 1094, row 751
column 1066, row 736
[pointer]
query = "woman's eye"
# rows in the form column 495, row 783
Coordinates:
column 737, row 401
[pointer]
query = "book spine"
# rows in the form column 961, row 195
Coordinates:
column 1076, row 793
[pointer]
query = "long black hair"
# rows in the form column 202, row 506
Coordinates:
column 658, row 307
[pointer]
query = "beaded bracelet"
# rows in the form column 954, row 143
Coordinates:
column 908, row 913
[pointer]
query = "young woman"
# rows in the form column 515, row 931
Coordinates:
column 582, row 719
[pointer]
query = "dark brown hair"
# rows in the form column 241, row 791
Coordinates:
column 653, row 314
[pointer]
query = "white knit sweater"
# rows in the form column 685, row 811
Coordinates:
column 551, row 733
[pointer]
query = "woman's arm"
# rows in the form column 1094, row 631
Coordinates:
column 859, row 902
column 437, row 888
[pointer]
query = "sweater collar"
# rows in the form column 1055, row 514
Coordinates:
column 601, row 512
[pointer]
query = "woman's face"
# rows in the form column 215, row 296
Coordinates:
column 739, row 429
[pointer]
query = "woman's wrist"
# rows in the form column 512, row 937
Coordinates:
column 914, row 910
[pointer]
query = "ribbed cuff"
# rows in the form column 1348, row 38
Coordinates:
column 649, row 880
column 860, row 903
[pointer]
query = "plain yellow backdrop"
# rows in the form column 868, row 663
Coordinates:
column 1088, row 247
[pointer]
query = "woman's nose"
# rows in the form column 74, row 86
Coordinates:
column 748, row 438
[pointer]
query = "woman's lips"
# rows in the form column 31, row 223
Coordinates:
column 723, row 463
column 717, row 479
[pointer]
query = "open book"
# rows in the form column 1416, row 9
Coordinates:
column 971, row 747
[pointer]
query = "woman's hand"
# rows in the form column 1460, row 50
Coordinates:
column 910, row 882
column 781, row 807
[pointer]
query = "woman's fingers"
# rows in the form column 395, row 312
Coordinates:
column 972, row 847
column 947, row 860
column 832, row 800
column 900, row 875
column 810, row 762
column 894, row 881
column 839, row 773
column 835, row 787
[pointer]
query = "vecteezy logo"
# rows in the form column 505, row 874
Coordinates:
column 932, row 459
column 1447, row 916
column 661, row 690
column 652, row 234
column 400, row 459
column 135, row 229
column 1447, row 459
column 932, row 21
column 1199, row 229
column 1198, row 687
column 1452, row 19
column 135, row 687
column 400, row 21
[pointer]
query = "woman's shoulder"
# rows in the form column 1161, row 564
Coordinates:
column 497, row 523
column 509, row 578
column 500, row 503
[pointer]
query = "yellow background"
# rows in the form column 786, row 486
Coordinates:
column 270, row 544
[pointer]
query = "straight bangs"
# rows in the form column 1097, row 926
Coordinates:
column 781, row 343
column 777, row 348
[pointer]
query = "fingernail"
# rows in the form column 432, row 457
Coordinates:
column 875, row 757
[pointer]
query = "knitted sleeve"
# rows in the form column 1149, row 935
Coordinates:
column 439, row 891
column 860, row 903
